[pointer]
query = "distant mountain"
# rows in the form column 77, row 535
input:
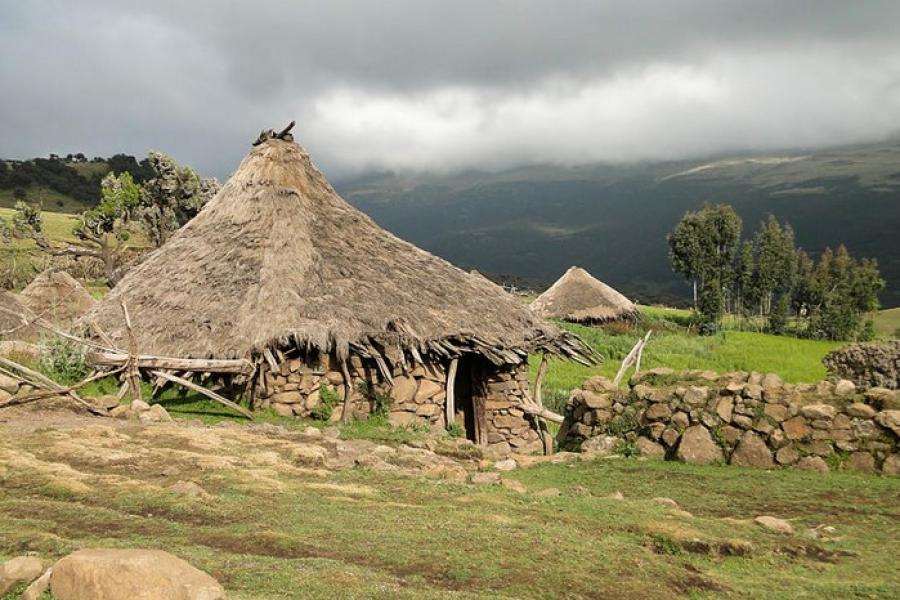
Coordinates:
column 534, row 222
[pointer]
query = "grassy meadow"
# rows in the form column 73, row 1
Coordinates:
column 269, row 530
column 670, row 345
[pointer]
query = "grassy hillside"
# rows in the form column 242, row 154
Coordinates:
column 57, row 226
column 795, row 360
column 887, row 323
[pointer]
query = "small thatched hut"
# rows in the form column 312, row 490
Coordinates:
column 57, row 297
column 579, row 297
column 280, row 270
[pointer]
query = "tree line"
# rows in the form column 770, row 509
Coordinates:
column 167, row 198
column 59, row 175
column 767, row 279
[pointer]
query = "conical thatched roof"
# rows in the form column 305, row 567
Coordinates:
column 278, row 259
column 578, row 296
column 57, row 297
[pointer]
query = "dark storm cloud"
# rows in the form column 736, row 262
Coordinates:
column 417, row 84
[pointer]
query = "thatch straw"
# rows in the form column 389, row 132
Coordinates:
column 579, row 297
column 277, row 259
column 57, row 297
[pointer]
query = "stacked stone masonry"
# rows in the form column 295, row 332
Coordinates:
column 417, row 397
column 745, row 419
column 871, row 364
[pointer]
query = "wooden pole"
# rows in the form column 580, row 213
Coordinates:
column 450, row 402
column 637, row 364
column 546, row 438
column 347, row 413
column 206, row 392
column 204, row 365
column 133, row 373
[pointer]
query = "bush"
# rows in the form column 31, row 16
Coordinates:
column 456, row 430
column 62, row 360
column 328, row 399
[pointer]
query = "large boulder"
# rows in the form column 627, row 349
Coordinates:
column 889, row 419
column 697, row 447
column 111, row 574
column 22, row 569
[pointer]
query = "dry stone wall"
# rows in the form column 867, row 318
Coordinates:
column 299, row 387
column 508, row 428
column 873, row 364
column 417, row 397
column 746, row 419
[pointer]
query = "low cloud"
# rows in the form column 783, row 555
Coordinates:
column 442, row 86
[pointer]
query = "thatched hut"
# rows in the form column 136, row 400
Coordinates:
column 57, row 297
column 279, row 270
column 579, row 297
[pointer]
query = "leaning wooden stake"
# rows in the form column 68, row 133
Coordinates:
column 206, row 392
column 640, row 354
column 638, row 347
column 347, row 413
column 546, row 438
column 132, row 372
column 450, row 403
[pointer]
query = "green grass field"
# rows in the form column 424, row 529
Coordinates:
column 795, row 360
column 271, row 530
column 887, row 323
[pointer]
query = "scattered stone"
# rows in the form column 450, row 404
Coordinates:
column 188, row 488
column 649, row 449
column 883, row 398
column 38, row 587
column 862, row 462
column 514, row 485
column 119, row 412
column 22, row 569
column 485, row 478
column 551, row 492
column 795, row 428
column 312, row 432
column 752, row 451
column 145, row 574
column 617, row 495
column 787, row 455
column 505, row 465
column 818, row 411
column 600, row 445
column 665, row 501
column 860, row 410
column 158, row 413
column 774, row 524
column 139, row 406
column 771, row 381
column 844, row 387
column 724, row 408
column 891, row 465
column 889, row 419
column 813, row 463
column 698, row 447
column 735, row 547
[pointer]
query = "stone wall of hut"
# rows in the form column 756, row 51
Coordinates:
column 508, row 428
column 417, row 397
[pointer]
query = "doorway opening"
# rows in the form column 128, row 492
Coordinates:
column 469, row 399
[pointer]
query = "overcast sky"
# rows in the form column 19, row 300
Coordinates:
column 445, row 85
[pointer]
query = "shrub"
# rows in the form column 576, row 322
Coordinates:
column 62, row 359
column 456, row 430
column 328, row 399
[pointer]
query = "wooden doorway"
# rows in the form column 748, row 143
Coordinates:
column 469, row 398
